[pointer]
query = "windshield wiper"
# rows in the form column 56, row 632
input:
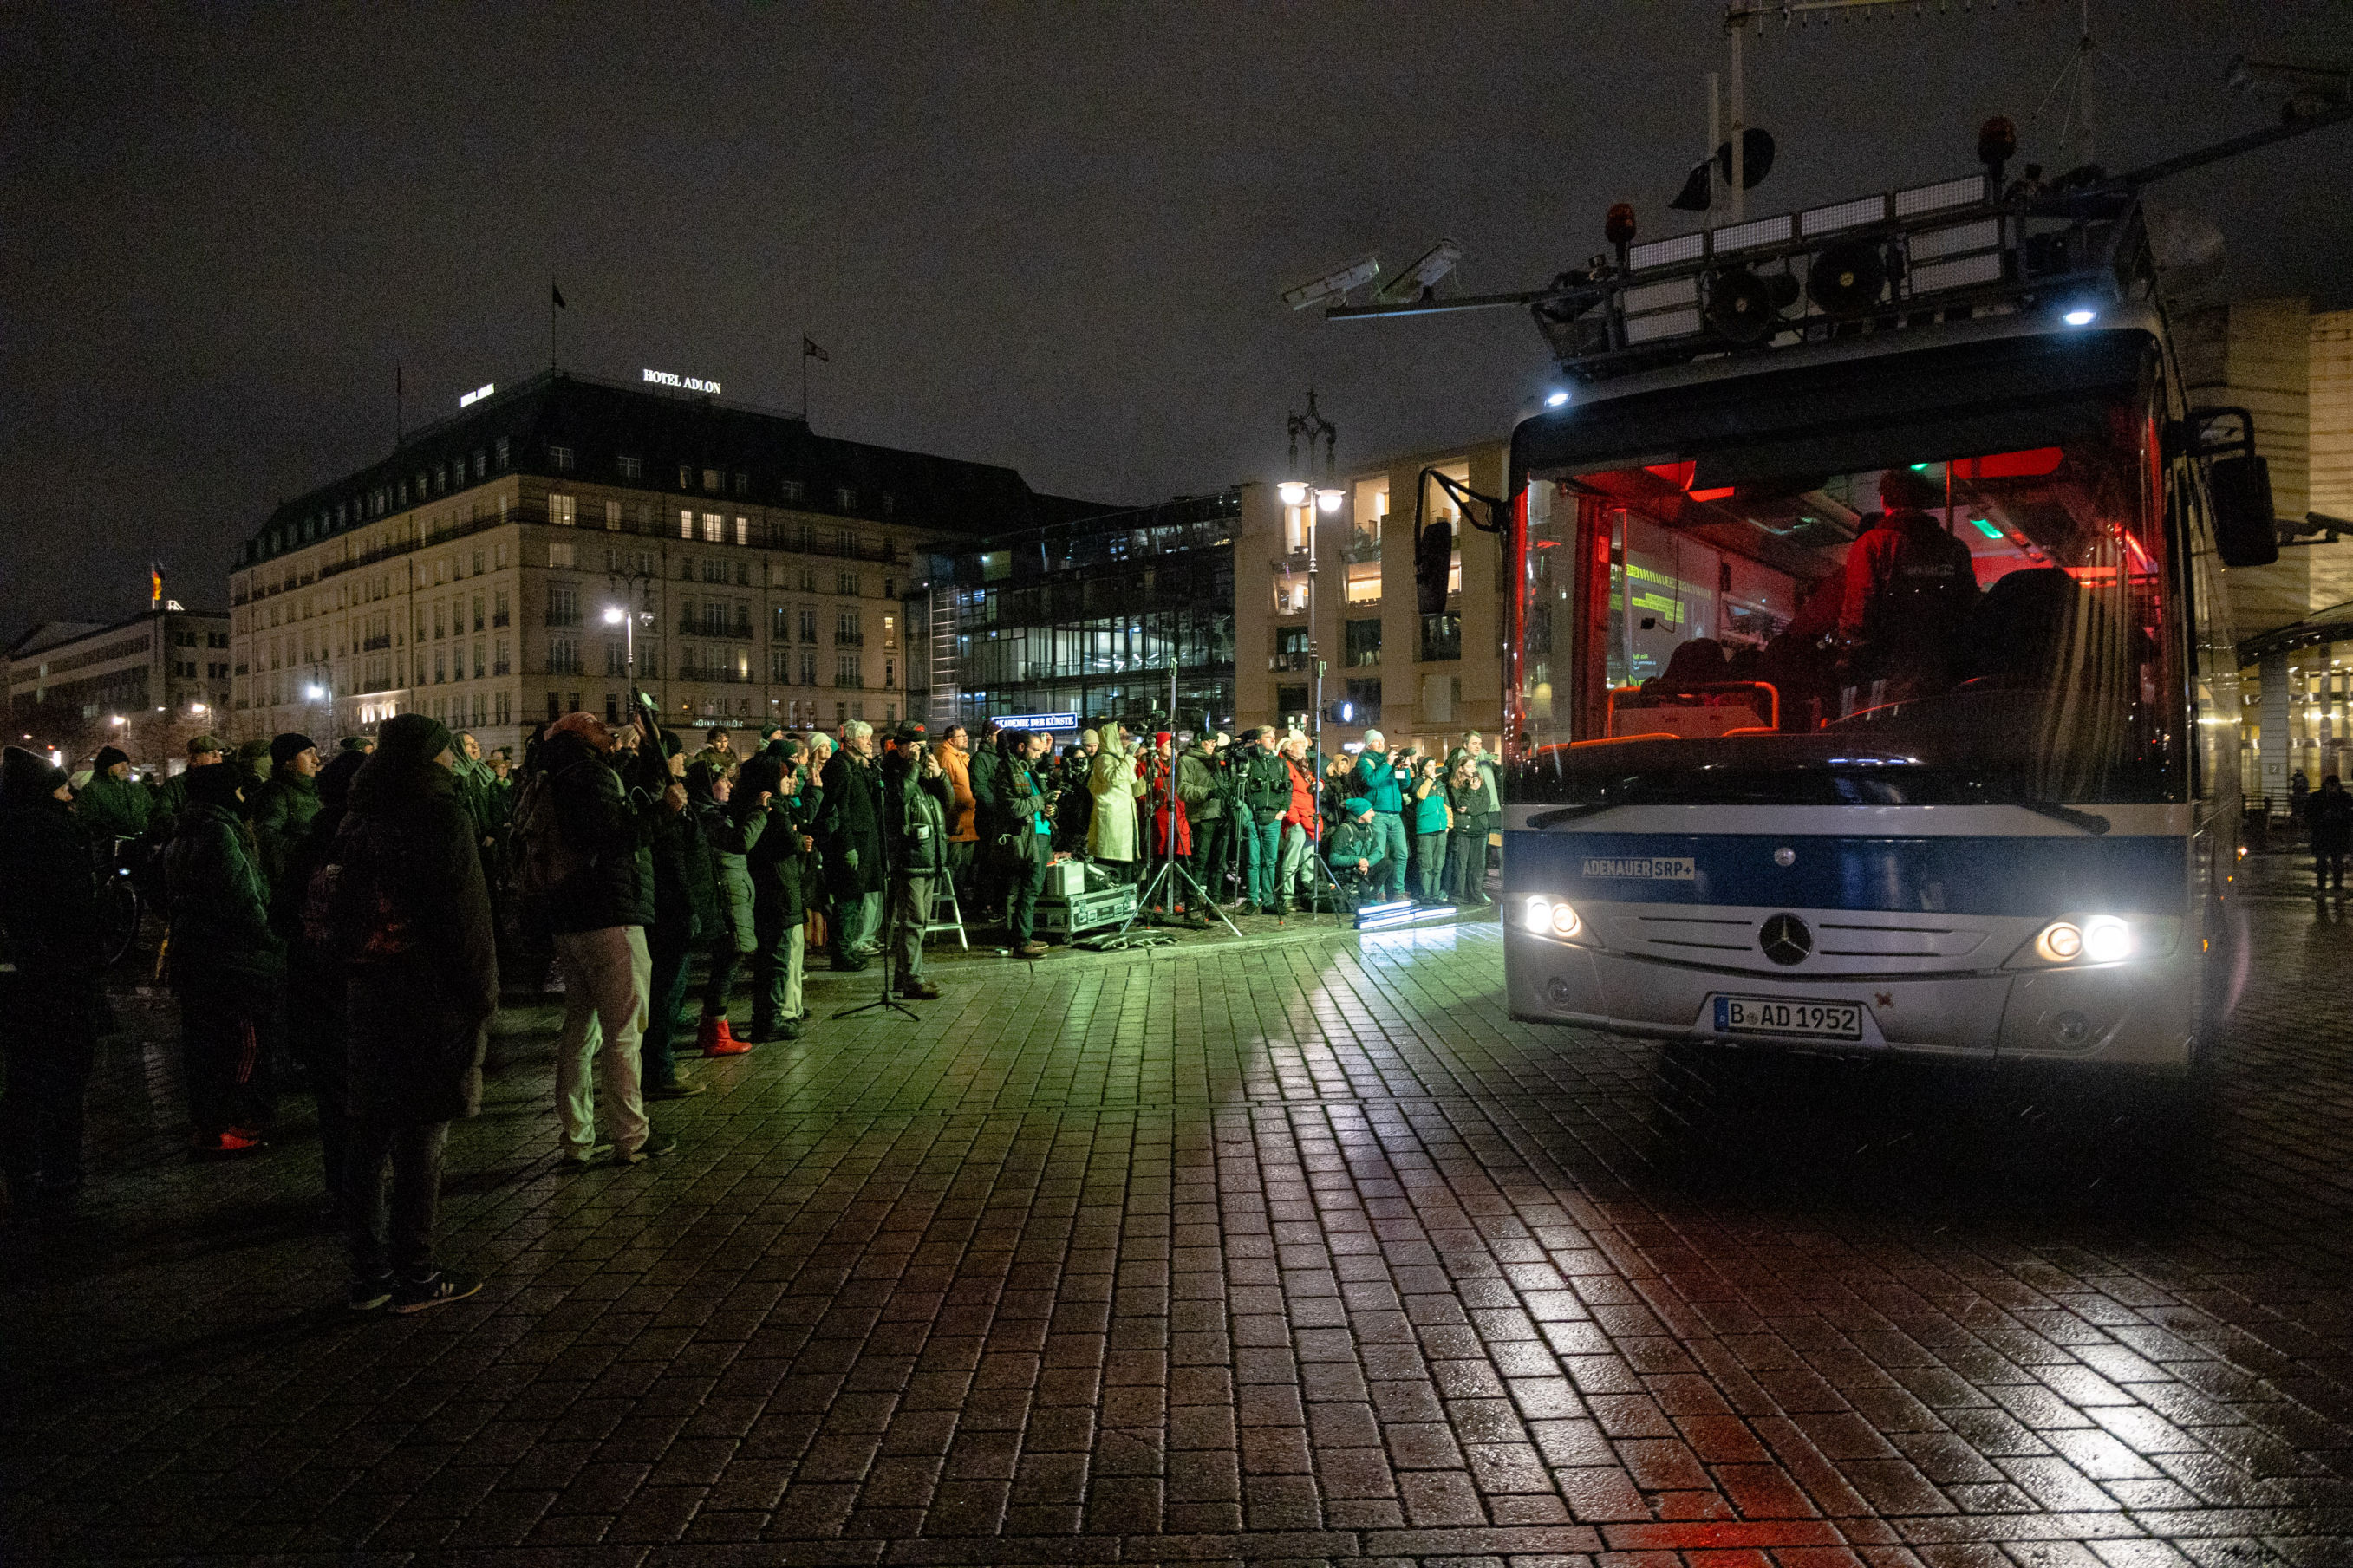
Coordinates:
column 2087, row 821
column 1560, row 815
column 1633, row 796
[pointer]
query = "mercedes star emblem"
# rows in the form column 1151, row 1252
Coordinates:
column 1785, row 939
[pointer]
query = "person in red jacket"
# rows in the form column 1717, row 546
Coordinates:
column 1909, row 586
column 1303, row 824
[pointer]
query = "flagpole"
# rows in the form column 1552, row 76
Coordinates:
column 805, row 358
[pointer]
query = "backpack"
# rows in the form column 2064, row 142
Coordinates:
column 539, row 859
column 349, row 910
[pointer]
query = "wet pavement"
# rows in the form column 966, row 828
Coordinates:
column 1287, row 1250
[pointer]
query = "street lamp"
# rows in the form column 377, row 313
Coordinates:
column 1294, row 492
column 614, row 616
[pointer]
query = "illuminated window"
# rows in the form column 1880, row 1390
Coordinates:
column 743, row 528
column 560, row 556
column 686, row 525
column 714, row 528
column 612, row 517
column 560, row 511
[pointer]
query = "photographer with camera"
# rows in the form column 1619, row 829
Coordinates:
column 1019, row 808
column 916, row 800
column 585, row 835
column 1431, row 818
column 1381, row 779
column 850, row 832
column 1473, row 792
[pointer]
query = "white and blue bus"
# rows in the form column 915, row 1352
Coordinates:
column 1971, row 793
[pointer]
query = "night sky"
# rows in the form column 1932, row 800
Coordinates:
column 1046, row 236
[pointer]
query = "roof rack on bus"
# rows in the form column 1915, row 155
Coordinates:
column 1946, row 251
column 1939, row 252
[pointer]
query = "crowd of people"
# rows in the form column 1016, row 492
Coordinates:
column 374, row 897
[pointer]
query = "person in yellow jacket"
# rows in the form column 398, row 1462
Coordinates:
column 1115, row 779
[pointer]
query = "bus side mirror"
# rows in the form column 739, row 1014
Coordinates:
column 2245, row 533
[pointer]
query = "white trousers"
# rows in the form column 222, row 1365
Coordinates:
column 608, row 974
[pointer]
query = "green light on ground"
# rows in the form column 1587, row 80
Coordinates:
column 1982, row 526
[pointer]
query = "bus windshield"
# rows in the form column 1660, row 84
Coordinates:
column 1953, row 609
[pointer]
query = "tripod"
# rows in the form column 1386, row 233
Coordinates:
column 1168, row 849
column 890, row 954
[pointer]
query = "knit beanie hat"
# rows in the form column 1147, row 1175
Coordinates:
column 411, row 738
column 288, row 746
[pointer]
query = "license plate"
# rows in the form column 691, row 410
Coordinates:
column 1767, row 1016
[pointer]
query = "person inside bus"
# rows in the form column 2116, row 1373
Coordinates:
column 1909, row 587
column 1795, row 663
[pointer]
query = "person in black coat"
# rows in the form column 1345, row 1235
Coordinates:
column 686, row 914
column 782, row 864
column 48, row 931
column 917, row 801
column 317, row 981
column 598, row 915
column 227, row 964
column 2329, row 816
column 424, row 986
column 851, row 833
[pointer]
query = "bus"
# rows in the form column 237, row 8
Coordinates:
column 1870, row 684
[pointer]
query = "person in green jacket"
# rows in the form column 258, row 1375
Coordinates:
column 112, row 805
column 228, row 964
column 283, row 807
column 171, row 796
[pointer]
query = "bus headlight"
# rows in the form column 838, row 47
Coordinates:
column 2106, row 939
column 2061, row 941
column 1550, row 917
column 2097, row 939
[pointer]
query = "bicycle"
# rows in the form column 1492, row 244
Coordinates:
column 121, row 906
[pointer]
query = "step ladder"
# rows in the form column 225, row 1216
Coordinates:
column 946, row 899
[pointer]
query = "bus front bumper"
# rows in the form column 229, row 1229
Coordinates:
column 2133, row 1013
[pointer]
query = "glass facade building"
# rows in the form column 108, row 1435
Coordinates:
column 1086, row 619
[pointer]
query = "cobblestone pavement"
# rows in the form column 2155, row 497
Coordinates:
column 1288, row 1249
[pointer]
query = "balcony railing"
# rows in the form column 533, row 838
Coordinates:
column 375, row 644
column 1289, row 663
column 850, row 639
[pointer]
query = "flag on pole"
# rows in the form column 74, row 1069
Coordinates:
column 811, row 351
column 556, row 296
column 155, row 585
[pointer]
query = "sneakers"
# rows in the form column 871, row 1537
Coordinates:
column 581, row 1159
column 717, row 1037
column 1031, row 949
column 684, row 1089
column 657, row 1142
column 919, row 991
column 763, row 1033
column 368, row 1295
column 228, row 1145
column 423, row 1295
